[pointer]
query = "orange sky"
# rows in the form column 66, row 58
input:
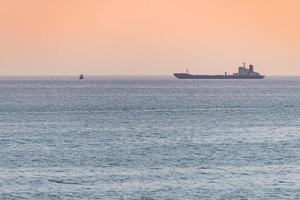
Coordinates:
column 131, row 37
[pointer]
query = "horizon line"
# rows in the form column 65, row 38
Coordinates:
column 114, row 75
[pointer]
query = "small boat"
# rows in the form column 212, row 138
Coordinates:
column 81, row 77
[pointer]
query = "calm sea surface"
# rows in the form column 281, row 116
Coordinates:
column 149, row 138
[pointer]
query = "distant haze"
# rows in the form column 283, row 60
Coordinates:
column 141, row 37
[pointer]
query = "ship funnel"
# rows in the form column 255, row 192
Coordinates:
column 251, row 68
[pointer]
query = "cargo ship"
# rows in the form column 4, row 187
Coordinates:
column 243, row 73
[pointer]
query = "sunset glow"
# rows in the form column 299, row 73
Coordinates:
column 140, row 37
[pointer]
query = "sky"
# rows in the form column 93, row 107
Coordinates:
column 148, row 37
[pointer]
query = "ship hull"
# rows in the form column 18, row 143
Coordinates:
column 191, row 76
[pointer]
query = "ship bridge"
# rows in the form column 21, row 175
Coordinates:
column 243, row 71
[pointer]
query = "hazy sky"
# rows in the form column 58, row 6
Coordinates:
column 115, row 37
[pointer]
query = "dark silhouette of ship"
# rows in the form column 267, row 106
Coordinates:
column 243, row 73
column 81, row 77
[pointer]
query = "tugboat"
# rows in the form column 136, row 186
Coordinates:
column 243, row 73
column 81, row 77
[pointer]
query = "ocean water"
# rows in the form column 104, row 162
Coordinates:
column 149, row 138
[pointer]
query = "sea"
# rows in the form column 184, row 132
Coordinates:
column 149, row 138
